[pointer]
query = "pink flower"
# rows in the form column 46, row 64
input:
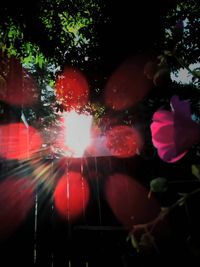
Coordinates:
column 174, row 132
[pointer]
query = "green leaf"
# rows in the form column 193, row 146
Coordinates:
column 159, row 185
column 3, row 48
column 196, row 170
column 27, row 60
column 51, row 83
column 134, row 242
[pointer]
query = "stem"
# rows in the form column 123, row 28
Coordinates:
column 184, row 181
column 163, row 213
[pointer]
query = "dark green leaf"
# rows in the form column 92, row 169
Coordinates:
column 159, row 185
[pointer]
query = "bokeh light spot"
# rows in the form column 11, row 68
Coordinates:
column 72, row 89
column 19, row 88
column 129, row 200
column 18, row 141
column 123, row 141
column 71, row 196
column 16, row 200
column 126, row 86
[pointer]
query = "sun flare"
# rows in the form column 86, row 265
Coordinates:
column 77, row 132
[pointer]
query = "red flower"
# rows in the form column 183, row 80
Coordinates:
column 174, row 132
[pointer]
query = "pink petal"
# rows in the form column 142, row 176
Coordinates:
column 169, row 153
column 163, row 116
column 163, row 134
column 174, row 133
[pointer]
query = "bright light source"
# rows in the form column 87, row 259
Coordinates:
column 77, row 132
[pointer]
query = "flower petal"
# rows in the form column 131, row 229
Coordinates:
column 162, row 134
column 169, row 153
column 163, row 116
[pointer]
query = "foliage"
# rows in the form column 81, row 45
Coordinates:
column 12, row 43
column 66, row 28
column 70, row 27
column 69, row 31
column 188, row 45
